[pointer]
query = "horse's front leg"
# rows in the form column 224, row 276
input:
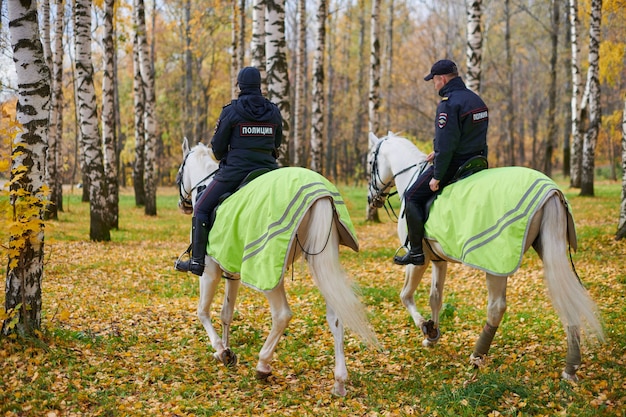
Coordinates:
column 208, row 285
column 431, row 327
column 281, row 315
column 412, row 277
column 341, row 371
column 228, row 357
column 496, row 306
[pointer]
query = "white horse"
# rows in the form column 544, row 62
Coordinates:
column 395, row 161
column 317, row 236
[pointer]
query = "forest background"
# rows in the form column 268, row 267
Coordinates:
column 515, row 78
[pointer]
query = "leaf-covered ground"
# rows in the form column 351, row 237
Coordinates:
column 121, row 337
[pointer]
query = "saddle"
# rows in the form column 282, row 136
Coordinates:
column 471, row 166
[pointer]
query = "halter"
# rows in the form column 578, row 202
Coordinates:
column 184, row 196
column 379, row 195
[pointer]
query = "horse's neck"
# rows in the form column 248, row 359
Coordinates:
column 405, row 164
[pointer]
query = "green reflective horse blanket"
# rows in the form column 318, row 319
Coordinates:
column 483, row 220
column 255, row 227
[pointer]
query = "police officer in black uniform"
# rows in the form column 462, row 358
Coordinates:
column 246, row 138
column 460, row 134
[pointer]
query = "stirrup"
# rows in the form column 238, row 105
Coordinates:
column 409, row 257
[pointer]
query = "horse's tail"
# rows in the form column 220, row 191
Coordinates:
column 328, row 274
column 570, row 299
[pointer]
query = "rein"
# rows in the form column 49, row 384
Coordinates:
column 184, row 195
column 380, row 194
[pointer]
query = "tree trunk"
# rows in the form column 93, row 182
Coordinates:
column 509, row 116
column 552, row 127
column 621, row 226
column 389, row 65
column 140, row 139
column 99, row 229
column 374, row 90
column 593, row 84
column 576, row 143
column 257, row 46
column 277, row 71
column 149, row 116
column 109, row 128
column 317, row 94
column 187, row 93
column 27, row 184
column 300, row 81
column 474, row 50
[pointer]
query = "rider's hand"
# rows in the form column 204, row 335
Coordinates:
column 434, row 184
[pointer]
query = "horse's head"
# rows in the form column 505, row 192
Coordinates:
column 197, row 168
column 380, row 173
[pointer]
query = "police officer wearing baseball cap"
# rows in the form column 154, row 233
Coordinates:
column 461, row 126
column 247, row 136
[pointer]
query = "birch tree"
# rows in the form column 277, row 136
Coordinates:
column 55, row 130
column 389, row 64
column 109, row 129
column 317, row 93
column 277, row 69
column 593, row 88
column 474, row 49
column 374, row 87
column 621, row 226
column 149, row 115
column 552, row 128
column 576, row 143
column 99, row 228
column 509, row 115
column 300, row 77
column 140, row 137
column 27, row 187
column 257, row 45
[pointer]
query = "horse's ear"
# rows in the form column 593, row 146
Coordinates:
column 373, row 139
column 185, row 146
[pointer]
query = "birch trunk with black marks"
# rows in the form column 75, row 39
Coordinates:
column 99, row 229
column 149, row 115
column 474, row 50
column 374, row 89
column 27, row 184
column 300, row 80
column 277, row 70
column 317, row 93
column 140, row 140
column 109, row 128
column 576, row 99
column 552, row 127
column 593, row 86
column 257, row 45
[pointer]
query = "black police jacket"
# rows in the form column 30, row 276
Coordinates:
column 246, row 136
column 460, row 128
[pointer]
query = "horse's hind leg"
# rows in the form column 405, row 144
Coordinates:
column 281, row 315
column 496, row 306
column 341, row 371
column 228, row 357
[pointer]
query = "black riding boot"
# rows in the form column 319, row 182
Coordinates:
column 199, row 239
column 415, row 226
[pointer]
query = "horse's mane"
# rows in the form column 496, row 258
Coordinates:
column 409, row 145
column 203, row 155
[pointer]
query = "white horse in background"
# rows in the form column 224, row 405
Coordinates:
column 317, row 235
column 395, row 161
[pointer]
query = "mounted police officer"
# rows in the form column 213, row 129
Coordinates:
column 460, row 134
column 246, row 138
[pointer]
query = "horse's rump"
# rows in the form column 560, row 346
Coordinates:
column 255, row 228
column 483, row 220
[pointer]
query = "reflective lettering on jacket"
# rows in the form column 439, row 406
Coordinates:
column 256, row 129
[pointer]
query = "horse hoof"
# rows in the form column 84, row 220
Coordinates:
column 432, row 334
column 569, row 377
column 339, row 390
column 229, row 358
column 263, row 376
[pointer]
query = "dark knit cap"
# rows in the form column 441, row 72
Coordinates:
column 443, row 67
column 249, row 77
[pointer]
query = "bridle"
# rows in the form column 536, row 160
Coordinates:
column 378, row 195
column 184, row 196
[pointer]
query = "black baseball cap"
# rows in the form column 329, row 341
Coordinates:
column 442, row 67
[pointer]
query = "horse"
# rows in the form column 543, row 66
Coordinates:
column 394, row 161
column 317, row 236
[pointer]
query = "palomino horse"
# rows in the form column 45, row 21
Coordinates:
column 395, row 161
column 316, row 231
